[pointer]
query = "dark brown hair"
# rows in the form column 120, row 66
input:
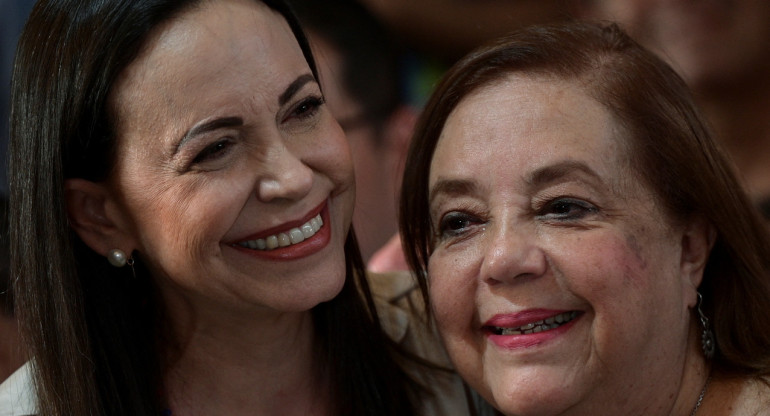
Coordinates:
column 94, row 330
column 671, row 149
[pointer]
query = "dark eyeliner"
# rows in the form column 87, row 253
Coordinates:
column 213, row 150
column 311, row 105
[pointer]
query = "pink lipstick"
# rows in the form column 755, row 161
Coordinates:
column 528, row 328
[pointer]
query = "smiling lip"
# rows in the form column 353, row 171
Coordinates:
column 305, row 248
column 529, row 328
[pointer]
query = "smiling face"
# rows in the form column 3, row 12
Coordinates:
column 225, row 151
column 557, row 283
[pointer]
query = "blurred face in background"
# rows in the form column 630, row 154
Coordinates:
column 378, row 144
column 709, row 42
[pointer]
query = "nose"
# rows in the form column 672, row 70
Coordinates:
column 511, row 256
column 288, row 178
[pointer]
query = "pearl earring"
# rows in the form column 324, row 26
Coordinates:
column 118, row 258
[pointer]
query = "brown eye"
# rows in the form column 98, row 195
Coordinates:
column 456, row 223
column 213, row 151
column 306, row 108
column 567, row 209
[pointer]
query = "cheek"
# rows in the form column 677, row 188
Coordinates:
column 185, row 219
column 602, row 263
column 334, row 161
column 332, row 157
column 630, row 285
column 452, row 286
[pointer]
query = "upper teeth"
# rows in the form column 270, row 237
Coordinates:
column 538, row 326
column 293, row 236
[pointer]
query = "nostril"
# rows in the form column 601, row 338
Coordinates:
column 289, row 179
column 268, row 189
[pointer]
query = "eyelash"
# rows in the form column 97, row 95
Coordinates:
column 563, row 208
column 452, row 218
column 307, row 108
column 213, row 151
column 457, row 224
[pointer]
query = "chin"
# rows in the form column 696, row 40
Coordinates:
column 311, row 294
column 516, row 406
column 528, row 408
column 532, row 395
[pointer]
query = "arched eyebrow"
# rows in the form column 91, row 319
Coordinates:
column 452, row 187
column 536, row 179
column 207, row 126
column 225, row 122
column 558, row 171
column 295, row 86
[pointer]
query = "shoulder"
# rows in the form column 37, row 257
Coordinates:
column 401, row 310
column 17, row 395
column 402, row 314
column 753, row 399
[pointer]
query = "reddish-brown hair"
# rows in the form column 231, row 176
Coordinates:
column 669, row 147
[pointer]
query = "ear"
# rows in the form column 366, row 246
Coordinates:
column 698, row 239
column 94, row 216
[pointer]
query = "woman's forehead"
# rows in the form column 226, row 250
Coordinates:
column 229, row 53
column 521, row 113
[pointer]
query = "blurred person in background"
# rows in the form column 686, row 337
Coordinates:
column 451, row 28
column 720, row 49
column 362, row 77
column 13, row 14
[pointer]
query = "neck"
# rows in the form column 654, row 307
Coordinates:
column 246, row 364
column 695, row 375
column 651, row 389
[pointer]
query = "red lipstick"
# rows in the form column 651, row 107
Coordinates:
column 305, row 248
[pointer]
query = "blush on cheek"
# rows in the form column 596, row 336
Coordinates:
column 614, row 261
column 636, row 250
column 634, row 262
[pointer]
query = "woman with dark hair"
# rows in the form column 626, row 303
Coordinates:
column 180, row 216
column 586, row 247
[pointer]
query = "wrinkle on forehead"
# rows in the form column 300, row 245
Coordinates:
column 152, row 97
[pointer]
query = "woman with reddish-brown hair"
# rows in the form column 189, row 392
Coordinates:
column 586, row 248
